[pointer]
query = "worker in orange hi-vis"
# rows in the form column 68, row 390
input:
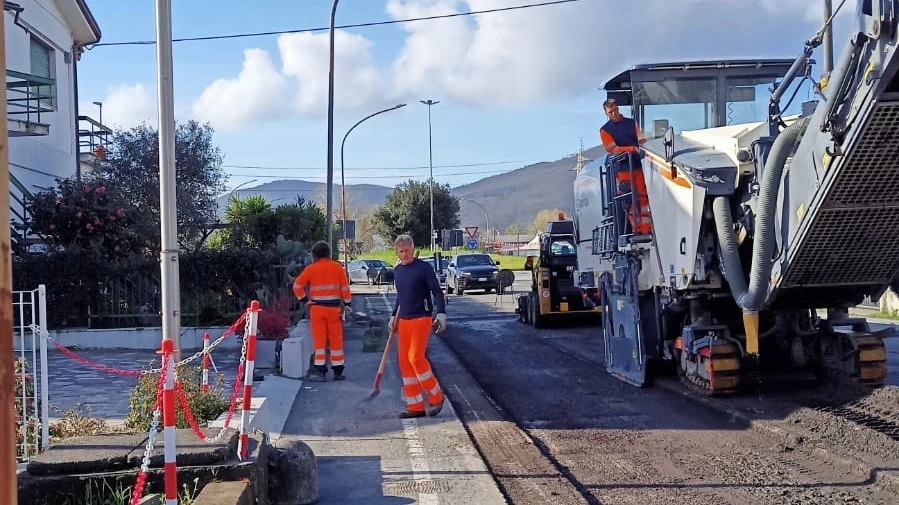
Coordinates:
column 323, row 285
column 622, row 135
column 419, row 308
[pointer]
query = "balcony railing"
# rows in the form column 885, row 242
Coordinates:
column 28, row 97
column 93, row 138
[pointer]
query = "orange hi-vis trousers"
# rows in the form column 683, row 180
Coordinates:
column 327, row 330
column 414, row 366
column 639, row 218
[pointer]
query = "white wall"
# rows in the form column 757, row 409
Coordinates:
column 38, row 161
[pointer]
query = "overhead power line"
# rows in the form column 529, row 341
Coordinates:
column 465, row 165
column 324, row 29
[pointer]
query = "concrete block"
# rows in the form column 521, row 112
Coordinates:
column 269, row 407
column 295, row 351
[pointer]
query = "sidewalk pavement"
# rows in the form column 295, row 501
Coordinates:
column 365, row 453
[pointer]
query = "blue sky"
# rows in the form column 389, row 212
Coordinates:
column 515, row 87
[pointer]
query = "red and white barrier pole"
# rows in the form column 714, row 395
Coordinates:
column 168, row 423
column 205, row 387
column 250, row 335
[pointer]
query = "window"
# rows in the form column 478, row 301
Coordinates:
column 41, row 66
column 747, row 97
column 684, row 104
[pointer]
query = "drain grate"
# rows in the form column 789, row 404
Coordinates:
column 414, row 486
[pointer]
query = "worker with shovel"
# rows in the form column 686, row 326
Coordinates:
column 419, row 299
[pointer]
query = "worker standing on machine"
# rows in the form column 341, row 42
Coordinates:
column 622, row 135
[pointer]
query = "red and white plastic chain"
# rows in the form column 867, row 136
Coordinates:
column 151, row 371
column 232, row 406
column 138, row 491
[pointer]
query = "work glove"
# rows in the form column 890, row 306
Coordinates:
column 347, row 310
column 391, row 325
column 440, row 323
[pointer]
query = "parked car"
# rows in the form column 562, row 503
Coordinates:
column 371, row 271
column 441, row 274
column 472, row 271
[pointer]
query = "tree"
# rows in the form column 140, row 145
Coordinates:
column 132, row 165
column 514, row 229
column 302, row 221
column 89, row 215
column 543, row 217
column 251, row 223
column 408, row 210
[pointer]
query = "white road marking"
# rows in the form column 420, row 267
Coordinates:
column 418, row 460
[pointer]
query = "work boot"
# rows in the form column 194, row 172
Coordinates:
column 412, row 414
column 338, row 372
column 317, row 374
column 435, row 409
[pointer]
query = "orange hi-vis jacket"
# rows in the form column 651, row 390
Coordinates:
column 327, row 284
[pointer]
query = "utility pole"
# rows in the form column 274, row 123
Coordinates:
column 168, row 210
column 9, row 491
column 330, row 184
column 429, row 103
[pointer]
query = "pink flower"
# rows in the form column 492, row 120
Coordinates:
column 101, row 190
column 112, row 218
column 96, row 221
column 120, row 212
column 87, row 189
column 52, row 226
column 78, row 215
column 89, row 226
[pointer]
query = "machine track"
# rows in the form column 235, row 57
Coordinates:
column 715, row 372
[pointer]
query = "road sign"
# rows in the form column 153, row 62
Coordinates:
column 471, row 230
column 472, row 243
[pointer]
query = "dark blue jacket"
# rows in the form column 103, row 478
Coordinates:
column 418, row 291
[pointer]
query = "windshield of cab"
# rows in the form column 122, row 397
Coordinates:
column 692, row 103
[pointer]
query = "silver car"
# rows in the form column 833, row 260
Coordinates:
column 370, row 272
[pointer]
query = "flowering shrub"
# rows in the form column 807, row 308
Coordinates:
column 274, row 320
column 83, row 214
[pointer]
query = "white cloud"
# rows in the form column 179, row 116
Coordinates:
column 356, row 80
column 254, row 96
column 126, row 106
column 515, row 58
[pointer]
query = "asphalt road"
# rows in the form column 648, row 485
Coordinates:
column 554, row 427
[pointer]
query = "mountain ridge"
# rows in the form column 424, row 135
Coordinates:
column 511, row 198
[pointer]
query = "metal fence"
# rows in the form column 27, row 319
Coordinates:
column 30, row 355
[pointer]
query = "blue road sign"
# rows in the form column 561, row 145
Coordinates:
column 472, row 243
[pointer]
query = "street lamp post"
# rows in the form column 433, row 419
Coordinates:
column 343, row 183
column 486, row 216
column 100, row 105
column 330, row 185
column 429, row 103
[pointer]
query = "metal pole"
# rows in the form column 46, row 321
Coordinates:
column 828, row 38
column 486, row 215
column 8, row 487
column 343, row 183
column 429, row 103
column 330, row 185
column 168, row 210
